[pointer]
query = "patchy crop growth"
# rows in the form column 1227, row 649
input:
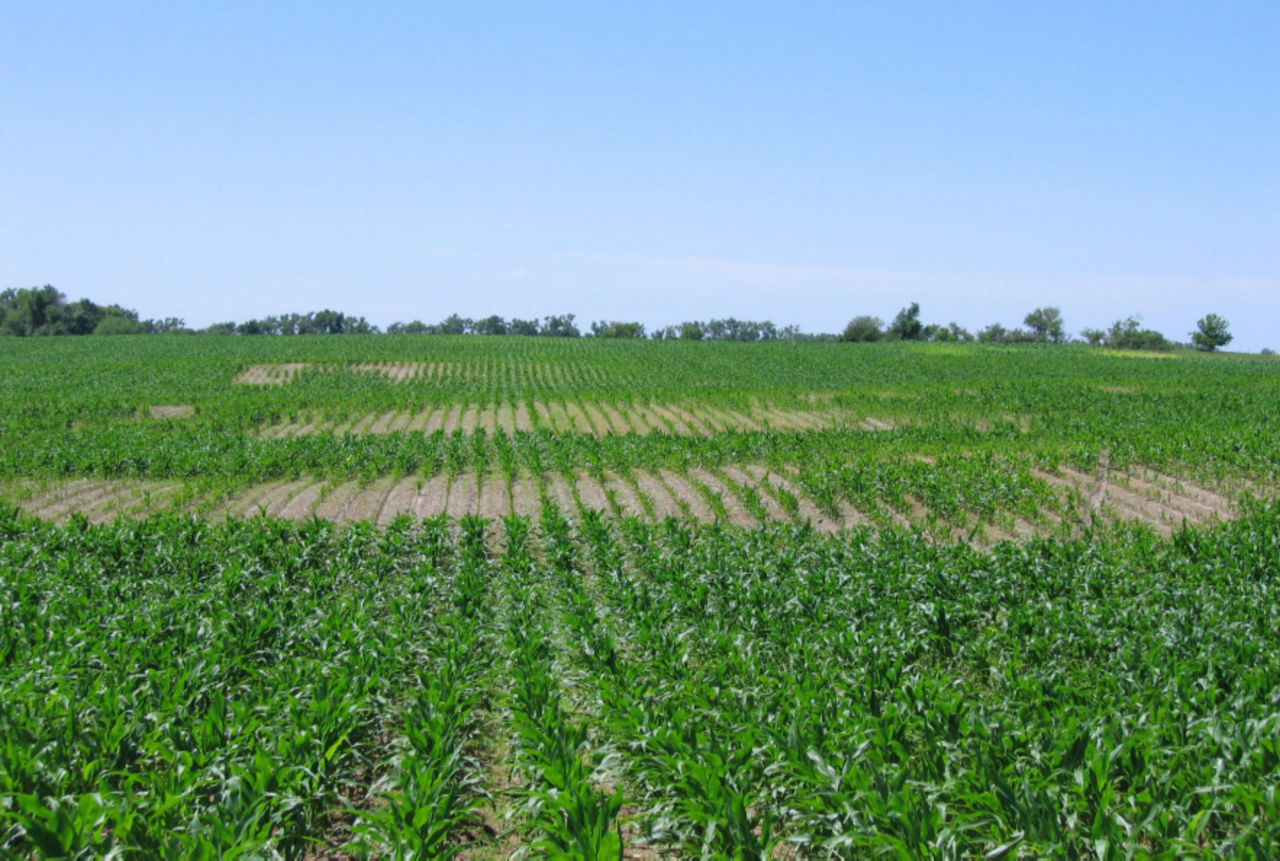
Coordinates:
column 430, row 597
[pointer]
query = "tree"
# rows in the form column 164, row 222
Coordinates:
column 1211, row 333
column 1128, row 334
column 114, row 324
column 559, row 326
column 616, row 329
column 863, row 328
column 691, row 331
column 907, row 326
column 1095, row 337
column 993, row 334
column 1046, row 324
column 491, row 325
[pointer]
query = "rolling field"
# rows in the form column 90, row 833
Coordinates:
column 405, row 596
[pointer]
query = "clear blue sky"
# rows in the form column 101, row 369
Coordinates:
column 801, row 162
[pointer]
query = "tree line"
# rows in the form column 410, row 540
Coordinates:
column 38, row 311
column 1042, row 326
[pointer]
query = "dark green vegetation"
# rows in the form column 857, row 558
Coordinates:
column 174, row 688
column 599, row 676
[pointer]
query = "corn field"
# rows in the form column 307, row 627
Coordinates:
column 430, row 597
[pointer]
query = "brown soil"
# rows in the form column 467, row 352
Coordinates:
column 116, row 501
column 525, row 498
column 362, row 424
column 172, row 411
column 1163, row 502
column 660, row 499
column 435, row 420
column 1198, row 503
column 788, row 419
column 464, row 495
column 806, row 510
column 418, row 421
column 276, row 498
column 638, row 420
column 382, row 424
column 599, row 424
column 542, row 417
column 560, row 493
column 494, row 503
column 433, row 497
column 554, row 417
column 303, row 504
column 872, row 423
column 368, row 503
column 453, row 418
column 336, row 502
column 684, row 492
column 581, row 422
column 738, row 513
column 397, row 372
column 524, row 422
column 506, row 418
column 403, row 419
column 470, row 418
column 626, row 495
column 773, row 509
column 669, row 421
column 42, row 501
column 270, row 375
column 314, row 425
column 693, row 422
column 708, row 418
column 616, row 419
column 399, row 499
column 590, row 492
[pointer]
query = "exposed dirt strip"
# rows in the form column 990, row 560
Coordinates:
column 303, row 505
column 591, row 493
column 628, row 499
column 734, row 507
column 744, row 494
column 270, row 375
column 432, row 497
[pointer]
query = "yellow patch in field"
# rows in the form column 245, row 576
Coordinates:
column 1139, row 354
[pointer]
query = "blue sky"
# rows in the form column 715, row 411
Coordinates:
column 803, row 163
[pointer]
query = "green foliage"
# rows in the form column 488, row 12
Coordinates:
column 616, row 329
column 1211, row 333
column 1128, row 334
column 45, row 311
column 906, row 326
column 864, row 328
column 1046, row 324
column 115, row 325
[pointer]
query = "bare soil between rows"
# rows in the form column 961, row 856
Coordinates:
column 744, row 495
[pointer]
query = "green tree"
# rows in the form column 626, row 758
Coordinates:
column 906, row 326
column 1046, row 324
column 616, row 329
column 863, row 328
column 1095, row 337
column 691, row 331
column 114, row 324
column 993, row 334
column 1211, row 333
column 1128, row 334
